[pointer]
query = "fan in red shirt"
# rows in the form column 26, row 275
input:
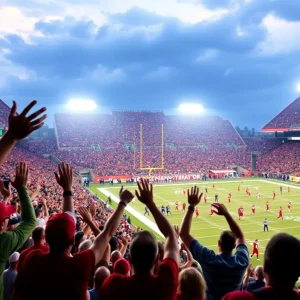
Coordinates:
column 197, row 212
column 229, row 197
column 143, row 284
column 58, row 275
column 255, row 249
column 176, row 206
column 274, row 195
column 289, row 206
column 211, row 210
column 267, row 206
column 241, row 212
column 253, row 210
column 38, row 236
column 280, row 213
column 183, row 206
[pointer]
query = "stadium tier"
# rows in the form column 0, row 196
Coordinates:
column 287, row 120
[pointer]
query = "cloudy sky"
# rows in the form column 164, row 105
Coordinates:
column 239, row 58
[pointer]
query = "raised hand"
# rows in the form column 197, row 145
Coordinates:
column 84, row 215
column 145, row 194
column 220, row 209
column 6, row 192
column 193, row 196
column 125, row 196
column 93, row 209
column 176, row 228
column 20, row 126
column 21, row 176
column 65, row 176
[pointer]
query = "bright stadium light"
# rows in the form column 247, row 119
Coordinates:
column 192, row 108
column 81, row 105
column 298, row 87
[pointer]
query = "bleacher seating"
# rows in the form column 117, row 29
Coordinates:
column 262, row 145
column 289, row 117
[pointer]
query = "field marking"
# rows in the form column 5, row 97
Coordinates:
column 134, row 212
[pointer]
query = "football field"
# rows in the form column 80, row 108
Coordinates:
column 207, row 228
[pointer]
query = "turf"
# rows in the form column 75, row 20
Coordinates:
column 207, row 228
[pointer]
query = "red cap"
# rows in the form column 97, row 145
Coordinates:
column 60, row 228
column 6, row 211
column 121, row 266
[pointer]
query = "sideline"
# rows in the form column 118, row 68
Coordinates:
column 135, row 213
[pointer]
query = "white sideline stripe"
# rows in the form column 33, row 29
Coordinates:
column 135, row 213
column 283, row 184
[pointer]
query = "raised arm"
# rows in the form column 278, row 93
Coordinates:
column 145, row 195
column 19, row 127
column 6, row 192
column 45, row 209
column 64, row 178
column 111, row 225
column 233, row 225
column 87, row 218
column 193, row 199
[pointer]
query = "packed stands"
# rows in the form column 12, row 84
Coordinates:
column 288, row 118
column 262, row 145
column 4, row 111
column 283, row 159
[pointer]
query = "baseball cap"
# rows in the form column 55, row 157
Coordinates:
column 121, row 266
column 60, row 229
column 14, row 219
column 6, row 211
column 14, row 257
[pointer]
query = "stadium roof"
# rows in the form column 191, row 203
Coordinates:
column 287, row 120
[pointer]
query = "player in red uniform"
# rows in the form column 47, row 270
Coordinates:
column 184, row 192
column 280, row 213
column 289, row 206
column 239, row 188
column 213, row 185
column 205, row 198
column 183, row 206
column 274, row 195
column 247, row 191
column 229, row 197
column 289, row 189
column 255, row 249
column 176, row 206
column 241, row 212
column 253, row 210
column 211, row 210
column 197, row 212
column 267, row 206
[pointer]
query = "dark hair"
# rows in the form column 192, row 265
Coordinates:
column 282, row 260
column 227, row 241
column 143, row 251
column 38, row 234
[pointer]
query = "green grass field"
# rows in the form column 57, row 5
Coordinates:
column 207, row 228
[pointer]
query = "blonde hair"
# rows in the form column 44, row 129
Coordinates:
column 191, row 284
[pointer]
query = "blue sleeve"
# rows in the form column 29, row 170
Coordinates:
column 242, row 254
column 201, row 253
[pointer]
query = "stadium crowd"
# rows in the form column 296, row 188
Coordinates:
column 58, row 241
column 290, row 116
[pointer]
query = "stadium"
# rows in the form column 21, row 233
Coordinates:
column 132, row 175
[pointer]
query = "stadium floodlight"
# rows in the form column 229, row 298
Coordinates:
column 192, row 108
column 298, row 87
column 81, row 105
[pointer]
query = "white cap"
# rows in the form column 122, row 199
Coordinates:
column 14, row 257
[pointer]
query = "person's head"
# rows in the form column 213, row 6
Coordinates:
column 227, row 241
column 60, row 231
column 85, row 245
column 256, row 240
column 13, row 260
column 38, row 213
column 100, row 275
column 5, row 212
column 115, row 255
column 143, row 252
column 191, row 284
column 259, row 273
column 122, row 267
column 282, row 261
column 38, row 235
